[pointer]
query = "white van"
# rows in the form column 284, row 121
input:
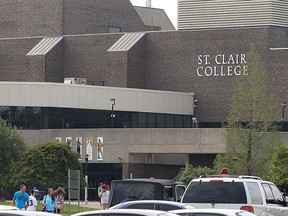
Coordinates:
column 248, row 193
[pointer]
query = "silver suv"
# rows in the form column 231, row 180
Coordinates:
column 248, row 193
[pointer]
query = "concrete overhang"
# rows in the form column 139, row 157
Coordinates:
column 43, row 94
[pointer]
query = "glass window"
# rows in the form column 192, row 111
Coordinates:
column 170, row 121
column 149, row 191
column 160, row 121
column 142, row 120
column 178, row 121
column 187, row 121
column 151, row 120
column 141, row 206
column 134, row 120
column 165, row 207
column 215, row 192
column 268, row 192
column 255, row 193
column 180, row 189
column 277, row 194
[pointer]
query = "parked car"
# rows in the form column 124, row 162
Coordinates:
column 125, row 212
column 152, row 204
column 211, row 212
column 24, row 213
column 145, row 189
column 248, row 193
column 8, row 207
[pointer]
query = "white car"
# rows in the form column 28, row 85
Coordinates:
column 248, row 193
column 24, row 213
column 125, row 212
column 211, row 212
column 161, row 205
column 8, row 207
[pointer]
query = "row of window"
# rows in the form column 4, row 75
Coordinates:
column 58, row 118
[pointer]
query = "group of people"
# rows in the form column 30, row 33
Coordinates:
column 53, row 202
column 104, row 193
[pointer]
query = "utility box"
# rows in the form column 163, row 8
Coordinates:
column 74, row 80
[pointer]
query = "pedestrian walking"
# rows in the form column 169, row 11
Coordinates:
column 49, row 201
column 60, row 195
column 104, row 195
column 21, row 198
column 32, row 201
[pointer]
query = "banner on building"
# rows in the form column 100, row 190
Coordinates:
column 79, row 147
column 100, row 148
column 69, row 141
column 89, row 148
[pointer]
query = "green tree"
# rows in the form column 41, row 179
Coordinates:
column 46, row 165
column 251, row 135
column 11, row 147
column 279, row 166
column 189, row 172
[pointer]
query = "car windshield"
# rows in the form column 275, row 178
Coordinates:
column 215, row 192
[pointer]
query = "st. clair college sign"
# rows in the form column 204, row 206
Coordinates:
column 221, row 65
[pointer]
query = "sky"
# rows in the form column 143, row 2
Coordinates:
column 170, row 7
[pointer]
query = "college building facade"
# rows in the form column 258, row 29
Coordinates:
column 157, row 100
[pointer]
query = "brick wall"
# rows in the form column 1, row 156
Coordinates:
column 23, row 18
column 13, row 65
column 95, row 16
column 171, row 64
column 137, row 65
column 87, row 57
column 26, row 18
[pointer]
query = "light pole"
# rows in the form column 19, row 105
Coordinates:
column 113, row 101
column 86, row 178
column 283, row 115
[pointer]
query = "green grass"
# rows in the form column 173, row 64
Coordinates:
column 73, row 208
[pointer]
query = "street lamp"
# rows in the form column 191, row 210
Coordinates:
column 86, row 178
column 113, row 101
column 283, row 115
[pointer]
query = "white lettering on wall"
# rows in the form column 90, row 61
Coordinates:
column 226, row 65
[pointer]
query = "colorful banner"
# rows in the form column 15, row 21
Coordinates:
column 69, row 141
column 59, row 139
column 100, row 148
column 89, row 148
column 79, row 147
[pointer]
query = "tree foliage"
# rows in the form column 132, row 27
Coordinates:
column 12, row 146
column 46, row 165
column 279, row 166
column 251, row 134
column 189, row 172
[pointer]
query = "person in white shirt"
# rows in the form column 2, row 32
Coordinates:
column 32, row 202
column 104, row 195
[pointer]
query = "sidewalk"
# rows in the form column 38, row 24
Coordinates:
column 90, row 204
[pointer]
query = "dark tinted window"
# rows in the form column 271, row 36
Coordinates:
column 141, row 206
column 215, row 192
column 255, row 193
column 164, row 207
column 137, row 190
